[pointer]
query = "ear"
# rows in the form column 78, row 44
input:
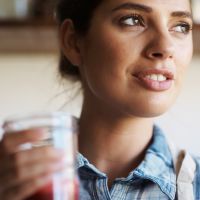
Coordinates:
column 69, row 42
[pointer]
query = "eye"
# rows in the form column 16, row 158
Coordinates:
column 184, row 28
column 132, row 20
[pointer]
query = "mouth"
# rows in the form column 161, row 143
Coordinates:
column 155, row 79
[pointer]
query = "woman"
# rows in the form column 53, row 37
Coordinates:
column 131, row 57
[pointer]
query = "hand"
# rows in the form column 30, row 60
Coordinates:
column 22, row 173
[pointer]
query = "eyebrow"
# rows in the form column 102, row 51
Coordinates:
column 133, row 6
column 184, row 14
column 144, row 8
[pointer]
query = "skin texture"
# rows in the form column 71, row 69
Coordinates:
column 24, row 172
column 111, row 54
column 117, row 116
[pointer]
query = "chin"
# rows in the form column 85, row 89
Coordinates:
column 152, row 113
column 147, row 113
column 149, row 109
column 156, row 106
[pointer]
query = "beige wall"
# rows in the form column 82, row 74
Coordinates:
column 29, row 84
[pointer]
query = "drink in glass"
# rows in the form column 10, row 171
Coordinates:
column 62, row 134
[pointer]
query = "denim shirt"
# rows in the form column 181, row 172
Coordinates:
column 153, row 179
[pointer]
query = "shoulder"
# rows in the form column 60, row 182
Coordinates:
column 196, row 182
column 197, row 162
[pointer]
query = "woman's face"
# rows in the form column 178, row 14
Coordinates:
column 135, row 54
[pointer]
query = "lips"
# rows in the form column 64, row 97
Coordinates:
column 155, row 79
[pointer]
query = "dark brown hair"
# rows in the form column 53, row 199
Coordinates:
column 80, row 12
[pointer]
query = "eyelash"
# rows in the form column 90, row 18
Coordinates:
column 141, row 22
column 133, row 17
column 185, row 25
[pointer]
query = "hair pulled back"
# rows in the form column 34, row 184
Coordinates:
column 80, row 12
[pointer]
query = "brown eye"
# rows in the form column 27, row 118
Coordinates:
column 132, row 20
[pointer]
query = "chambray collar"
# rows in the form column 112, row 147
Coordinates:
column 157, row 165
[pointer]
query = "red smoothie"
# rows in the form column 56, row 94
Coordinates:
column 46, row 193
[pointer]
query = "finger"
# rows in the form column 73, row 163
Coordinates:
column 22, row 158
column 11, row 141
column 26, row 189
column 19, row 174
column 39, row 154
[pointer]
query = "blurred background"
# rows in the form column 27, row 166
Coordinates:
column 29, row 81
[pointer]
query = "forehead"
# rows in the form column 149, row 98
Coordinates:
column 167, row 5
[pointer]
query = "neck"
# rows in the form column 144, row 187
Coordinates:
column 114, row 144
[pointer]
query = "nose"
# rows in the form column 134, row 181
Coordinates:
column 160, row 47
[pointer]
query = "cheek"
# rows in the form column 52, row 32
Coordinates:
column 108, row 57
column 107, row 47
column 106, row 60
column 107, row 53
column 183, row 59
